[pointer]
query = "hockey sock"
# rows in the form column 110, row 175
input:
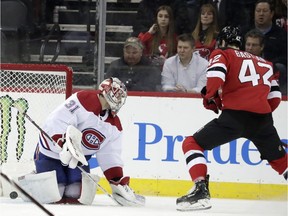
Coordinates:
column 280, row 165
column 114, row 172
column 195, row 159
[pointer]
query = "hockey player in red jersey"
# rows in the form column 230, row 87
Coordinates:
column 88, row 121
column 249, row 95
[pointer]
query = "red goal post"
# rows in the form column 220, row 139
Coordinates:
column 38, row 89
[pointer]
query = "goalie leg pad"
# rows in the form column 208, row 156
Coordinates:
column 89, row 187
column 43, row 187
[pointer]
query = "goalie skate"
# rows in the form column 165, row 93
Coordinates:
column 197, row 199
column 124, row 195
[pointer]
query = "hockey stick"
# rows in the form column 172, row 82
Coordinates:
column 54, row 143
column 13, row 183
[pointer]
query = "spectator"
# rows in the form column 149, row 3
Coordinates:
column 160, row 41
column 275, row 37
column 186, row 71
column 254, row 42
column 275, row 45
column 134, row 69
column 147, row 10
column 206, row 30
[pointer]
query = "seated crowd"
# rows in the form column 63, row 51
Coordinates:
column 170, row 55
column 159, row 46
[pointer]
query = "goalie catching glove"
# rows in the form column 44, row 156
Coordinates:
column 213, row 103
column 71, row 152
column 124, row 195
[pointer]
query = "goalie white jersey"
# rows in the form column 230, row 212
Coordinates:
column 101, row 132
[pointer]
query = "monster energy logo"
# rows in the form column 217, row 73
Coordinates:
column 6, row 105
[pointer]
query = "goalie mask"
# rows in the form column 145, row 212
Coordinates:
column 114, row 92
column 231, row 35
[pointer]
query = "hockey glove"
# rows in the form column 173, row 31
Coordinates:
column 213, row 103
column 66, row 158
column 124, row 195
column 71, row 152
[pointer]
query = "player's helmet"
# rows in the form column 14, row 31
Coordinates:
column 231, row 35
column 115, row 93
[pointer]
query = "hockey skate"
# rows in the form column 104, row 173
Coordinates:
column 198, row 197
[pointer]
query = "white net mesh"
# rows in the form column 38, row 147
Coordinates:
column 35, row 92
column 33, row 81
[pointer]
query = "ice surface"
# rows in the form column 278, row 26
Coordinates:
column 155, row 206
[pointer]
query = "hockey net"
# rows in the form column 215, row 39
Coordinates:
column 37, row 89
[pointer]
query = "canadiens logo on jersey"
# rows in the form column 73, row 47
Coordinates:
column 92, row 139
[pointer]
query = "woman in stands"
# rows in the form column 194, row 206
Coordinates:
column 206, row 30
column 160, row 40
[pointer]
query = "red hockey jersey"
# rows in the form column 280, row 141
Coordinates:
column 247, row 81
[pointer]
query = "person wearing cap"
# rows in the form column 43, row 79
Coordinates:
column 134, row 69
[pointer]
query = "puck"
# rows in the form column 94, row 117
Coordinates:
column 13, row 195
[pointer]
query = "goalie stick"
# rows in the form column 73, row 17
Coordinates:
column 13, row 183
column 54, row 143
